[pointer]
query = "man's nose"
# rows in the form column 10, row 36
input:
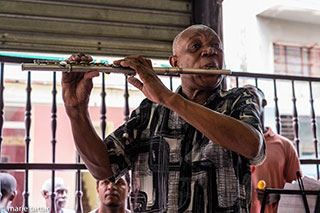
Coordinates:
column 110, row 185
column 63, row 194
column 209, row 51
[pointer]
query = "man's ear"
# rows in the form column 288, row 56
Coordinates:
column 264, row 102
column 13, row 195
column 173, row 59
column 45, row 194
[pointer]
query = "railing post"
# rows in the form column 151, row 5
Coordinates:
column 314, row 127
column 295, row 119
column 27, row 141
column 79, row 208
column 103, row 109
column 1, row 110
column 53, row 141
column 277, row 115
column 126, row 100
column 1, row 106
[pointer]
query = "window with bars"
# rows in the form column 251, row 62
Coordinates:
column 296, row 60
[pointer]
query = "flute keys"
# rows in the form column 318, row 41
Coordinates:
column 115, row 65
column 63, row 63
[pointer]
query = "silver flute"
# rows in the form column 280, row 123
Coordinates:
column 63, row 66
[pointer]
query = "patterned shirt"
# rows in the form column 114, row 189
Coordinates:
column 175, row 168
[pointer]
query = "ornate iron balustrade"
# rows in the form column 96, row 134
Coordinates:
column 78, row 167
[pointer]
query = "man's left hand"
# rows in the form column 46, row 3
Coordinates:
column 149, row 83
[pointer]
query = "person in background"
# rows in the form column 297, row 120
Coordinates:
column 8, row 186
column 179, row 144
column 113, row 196
column 280, row 166
column 61, row 194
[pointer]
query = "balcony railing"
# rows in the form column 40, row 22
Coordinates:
column 235, row 80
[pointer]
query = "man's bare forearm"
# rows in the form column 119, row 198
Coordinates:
column 224, row 130
column 89, row 145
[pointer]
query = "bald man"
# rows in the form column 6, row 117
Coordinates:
column 189, row 150
column 61, row 194
column 8, row 186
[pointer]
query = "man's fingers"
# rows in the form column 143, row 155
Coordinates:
column 127, row 62
column 132, row 64
column 135, row 82
column 149, row 62
column 76, row 58
column 135, row 61
column 86, row 58
column 91, row 74
column 117, row 62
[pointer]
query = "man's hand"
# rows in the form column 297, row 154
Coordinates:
column 150, row 85
column 76, row 87
column 80, row 57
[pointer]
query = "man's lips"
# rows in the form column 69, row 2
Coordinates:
column 61, row 200
column 210, row 66
column 111, row 194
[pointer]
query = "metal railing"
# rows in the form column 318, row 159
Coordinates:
column 78, row 167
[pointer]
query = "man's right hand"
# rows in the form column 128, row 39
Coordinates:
column 77, row 86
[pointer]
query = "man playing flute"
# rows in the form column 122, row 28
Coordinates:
column 189, row 150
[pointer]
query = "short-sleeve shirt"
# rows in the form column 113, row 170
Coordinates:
column 175, row 168
column 282, row 159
